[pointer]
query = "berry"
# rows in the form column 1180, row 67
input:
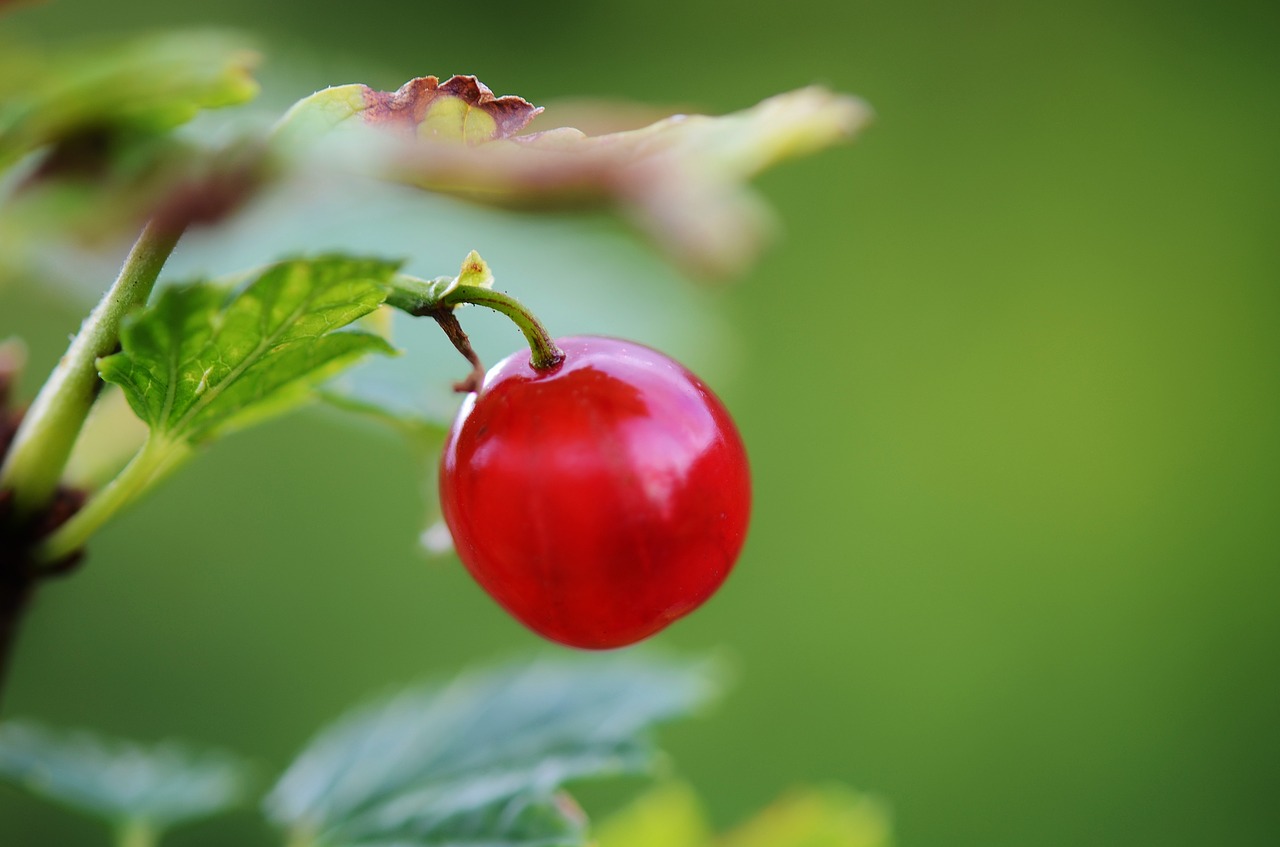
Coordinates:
column 598, row 500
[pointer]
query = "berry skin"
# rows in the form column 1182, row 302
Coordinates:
column 599, row 500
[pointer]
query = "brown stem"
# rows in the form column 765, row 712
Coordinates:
column 449, row 323
column 16, row 588
column 19, row 572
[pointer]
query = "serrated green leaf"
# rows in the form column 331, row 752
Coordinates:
column 577, row 274
column 830, row 816
column 137, row 87
column 500, row 813
column 121, row 781
column 669, row 815
column 480, row 760
column 191, row 367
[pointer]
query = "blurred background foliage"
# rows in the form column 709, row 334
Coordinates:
column 1008, row 380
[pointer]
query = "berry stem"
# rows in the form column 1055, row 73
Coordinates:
column 544, row 352
column 156, row 458
column 439, row 298
column 449, row 323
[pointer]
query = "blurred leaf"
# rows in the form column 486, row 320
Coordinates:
column 495, row 814
column 460, row 109
column 480, row 760
column 832, row 816
column 190, row 365
column 121, row 781
column 127, row 89
column 670, row 816
column 96, row 189
column 100, row 117
column 679, row 179
column 363, row 394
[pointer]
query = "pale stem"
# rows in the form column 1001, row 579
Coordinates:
column 43, row 442
column 152, row 463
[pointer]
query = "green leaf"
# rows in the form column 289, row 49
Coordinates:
column 191, row 367
column 497, row 814
column 831, row 816
column 669, row 815
column 578, row 274
column 121, row 781
column 118, row 92
column 481, row 759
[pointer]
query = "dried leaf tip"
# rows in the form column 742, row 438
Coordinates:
column 461, row 108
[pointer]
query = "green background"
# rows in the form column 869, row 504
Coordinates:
column 1009, row 383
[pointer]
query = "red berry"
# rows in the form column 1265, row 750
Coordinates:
column 599, row 500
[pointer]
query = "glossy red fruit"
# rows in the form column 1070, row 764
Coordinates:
column 600, row 500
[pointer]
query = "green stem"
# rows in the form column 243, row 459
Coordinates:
column 156, row 458
column 43, row 442
column 137, row 834
column 545, row 353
